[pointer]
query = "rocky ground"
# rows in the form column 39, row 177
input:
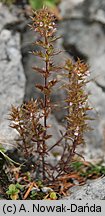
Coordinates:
column 83, row 30
column 94, row 190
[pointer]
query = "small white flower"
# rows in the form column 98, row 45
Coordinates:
column 41, row 24
column 16, row 122
column 53, row 23
column 80, row 106
column 50, row 27
column 87, row 74
column 79, row 74
column 76, row 133
column 31, row 114
column 77, row 128
column 70, row 103
column 36, row 29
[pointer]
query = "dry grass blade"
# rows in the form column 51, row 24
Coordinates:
column 28, row 191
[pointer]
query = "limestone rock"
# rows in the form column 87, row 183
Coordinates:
column 69, row 8
column 83, row 9
column 95, row 10
column 12, row 80
column 84, row 37
column 86, row 40
column 93, row 190
column 6, row 17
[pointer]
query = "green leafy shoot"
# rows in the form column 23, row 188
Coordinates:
column 36, row 4
column 13, row 192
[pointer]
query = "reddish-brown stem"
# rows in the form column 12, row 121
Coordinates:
column 25, row 146
column 68, row 111
column 57, row 143
column 45, row 110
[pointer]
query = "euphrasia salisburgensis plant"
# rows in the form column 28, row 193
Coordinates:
column 26, row 119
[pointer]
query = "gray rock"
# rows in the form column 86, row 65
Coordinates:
column 95, row 10
column 86, row 40
column 6, row 17
column 83, row 9
column 84, row 37
column 12, row 81
column 69, row 8
column 93, row 190
column 46, row 189
column 95, row 138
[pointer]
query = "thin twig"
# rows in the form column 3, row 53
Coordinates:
column 57, row 143
column 28, row 191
